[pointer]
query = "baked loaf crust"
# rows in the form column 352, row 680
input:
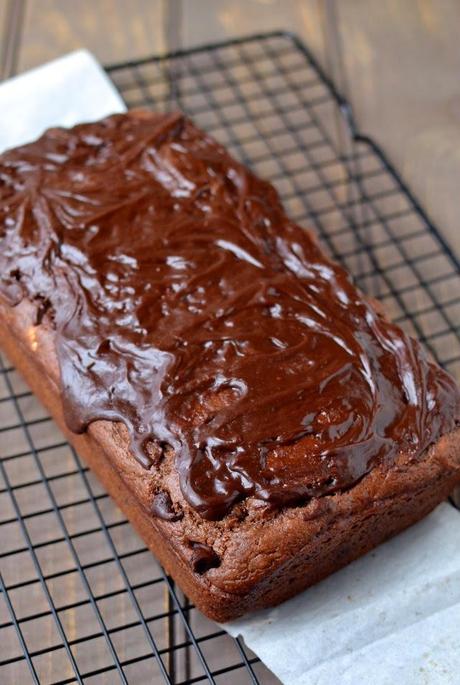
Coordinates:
column 236, row 554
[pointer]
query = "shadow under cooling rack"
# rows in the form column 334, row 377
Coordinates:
column 82, row 599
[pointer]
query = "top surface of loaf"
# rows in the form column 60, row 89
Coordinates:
column 188, row 306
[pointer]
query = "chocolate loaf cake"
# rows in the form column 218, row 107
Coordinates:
column 260, row 421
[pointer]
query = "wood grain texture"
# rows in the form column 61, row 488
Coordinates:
column 112, row 29
column 402, row 62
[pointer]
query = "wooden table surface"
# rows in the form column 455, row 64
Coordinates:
column 399, row 62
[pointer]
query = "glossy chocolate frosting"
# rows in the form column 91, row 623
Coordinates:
column 187, row 306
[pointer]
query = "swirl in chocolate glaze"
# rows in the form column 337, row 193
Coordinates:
column 187, row 306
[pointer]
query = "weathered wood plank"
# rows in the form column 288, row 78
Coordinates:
column 112, row 29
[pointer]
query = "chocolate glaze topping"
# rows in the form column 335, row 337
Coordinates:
column 187, row 306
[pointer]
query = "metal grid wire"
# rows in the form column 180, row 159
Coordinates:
column 82, row 599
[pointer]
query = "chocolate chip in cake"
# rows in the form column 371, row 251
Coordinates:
column 163, row 507
column 43, row 308
column 203, row 557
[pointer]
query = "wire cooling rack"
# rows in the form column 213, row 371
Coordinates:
column 82, row 599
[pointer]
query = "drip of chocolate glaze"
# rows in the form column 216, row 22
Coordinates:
column 188, row 306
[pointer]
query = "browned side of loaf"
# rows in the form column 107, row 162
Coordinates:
column 266, row 557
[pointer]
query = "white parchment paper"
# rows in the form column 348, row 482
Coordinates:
column 391, row 617
column 67, row 91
